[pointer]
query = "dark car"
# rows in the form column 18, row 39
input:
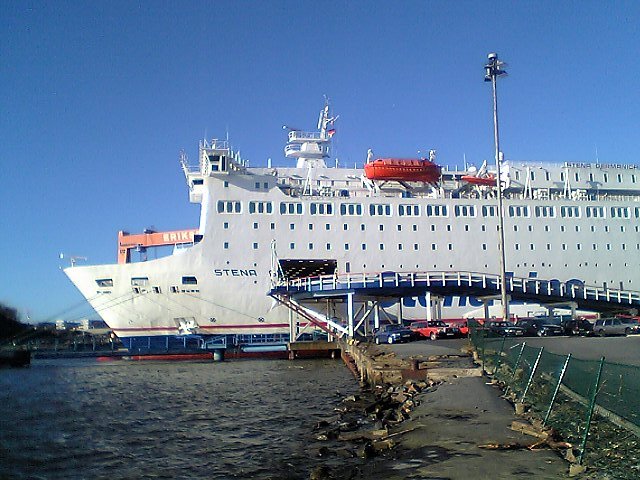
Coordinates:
column 540, row 327
column 393, row 334
column 504, row 329
column 579, row 326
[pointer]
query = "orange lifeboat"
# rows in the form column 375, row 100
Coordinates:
column 488, row 181
column 401, row 169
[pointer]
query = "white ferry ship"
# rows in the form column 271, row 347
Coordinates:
column 575, row 222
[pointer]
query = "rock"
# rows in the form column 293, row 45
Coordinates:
column 366, row 451
column 382, row 445
column 576, row 469
column 321, row 472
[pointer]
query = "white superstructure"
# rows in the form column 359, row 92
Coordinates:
column 562, row 221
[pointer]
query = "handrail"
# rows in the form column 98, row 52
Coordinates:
column 553, row 287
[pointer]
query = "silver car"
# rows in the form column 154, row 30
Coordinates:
column 612, row 326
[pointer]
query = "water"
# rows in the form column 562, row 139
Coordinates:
column 237, row 419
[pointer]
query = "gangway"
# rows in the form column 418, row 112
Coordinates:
column 364, row 287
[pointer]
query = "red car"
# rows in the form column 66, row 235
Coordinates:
column 434, row 329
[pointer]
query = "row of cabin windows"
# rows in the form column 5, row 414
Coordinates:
column 144, row 281
column 434, row 247
column 576, row 175
column 433, row 228
column 414, row 210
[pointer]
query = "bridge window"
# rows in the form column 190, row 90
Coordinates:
column 229, row 206
column 261, row 207
column 105, row 282
column 409, row 210
column 437, row 210
column 489, row 210
column 620, row 212
column 545, row 212
column 351, row 209
column 378, row 209
column 321, row 208
column 465, row 210
column 189, row 280
column 291, row 208
column 570, row 212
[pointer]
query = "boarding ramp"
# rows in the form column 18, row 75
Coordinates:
column 374, row 287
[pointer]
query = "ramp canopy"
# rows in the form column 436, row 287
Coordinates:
column 301, row 268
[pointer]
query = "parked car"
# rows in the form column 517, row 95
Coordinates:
column 393, row 333
column 504, row 329
column 579, row 326
column 434, row 329
column 613, row 326
column 541, row 327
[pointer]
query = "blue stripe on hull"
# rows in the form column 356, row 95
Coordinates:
column 198, row 343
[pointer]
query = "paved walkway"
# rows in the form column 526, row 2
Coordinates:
column 452, row 421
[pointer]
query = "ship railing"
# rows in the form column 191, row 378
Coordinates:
column 476, row 280
column 298, row 136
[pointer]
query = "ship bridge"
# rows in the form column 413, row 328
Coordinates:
column 369, row 289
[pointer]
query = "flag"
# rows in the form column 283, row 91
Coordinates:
column 331, row 132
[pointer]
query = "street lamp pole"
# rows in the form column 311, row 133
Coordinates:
column 493, row 70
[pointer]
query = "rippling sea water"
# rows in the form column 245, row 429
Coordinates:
column 76, row 419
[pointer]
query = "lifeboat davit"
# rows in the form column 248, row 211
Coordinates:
column 489, row 181
column 402, row 170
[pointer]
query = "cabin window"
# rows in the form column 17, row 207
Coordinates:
column 292, row 246
column 409, row 210
column 104, row 282
column 261, row 207
column 290, row 208
column 189, row 280
column 225, row 245
column 321, row 208
column 346, row 246
column 465, row 211
column 139, row 281
column 595, row 212
column 619, row 212
column 489, row 210
column 255, row 225
column 351, row 209
column 570, row 212
column 518, row 211
column 377, row 209
column 545, row 211
column 229, row 206
column 436, row 210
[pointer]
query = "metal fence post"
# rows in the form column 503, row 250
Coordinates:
column 533, row 372
column 498, row 356
column 592, row 404
column 555, row 392
column 515, row 365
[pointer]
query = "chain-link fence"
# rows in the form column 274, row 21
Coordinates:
column 593, row 404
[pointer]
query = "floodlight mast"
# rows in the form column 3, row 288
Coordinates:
column 493, row 70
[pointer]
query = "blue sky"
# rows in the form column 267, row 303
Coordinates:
column 98, row 98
